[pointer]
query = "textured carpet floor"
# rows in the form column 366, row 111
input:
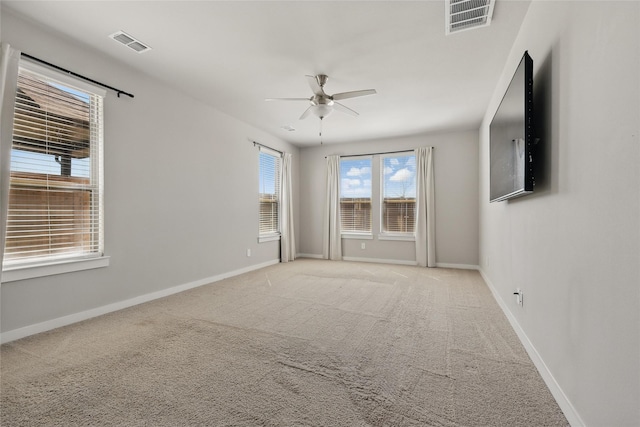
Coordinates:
column 307, row 343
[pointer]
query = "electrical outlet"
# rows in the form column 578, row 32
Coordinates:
column 519, row 297
column 248, row 252
column 362, row 245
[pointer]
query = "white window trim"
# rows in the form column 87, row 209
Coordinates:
column 409, row 237
column 269, row 151
column 357, row 236
column 270, row 236
column 62, row 78
column 15, row 273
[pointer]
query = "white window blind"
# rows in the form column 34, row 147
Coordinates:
column 398, row 193
column 55, row 200
column 355, row 195
column 269, row 191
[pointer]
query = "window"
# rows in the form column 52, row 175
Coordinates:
column 269, row 194
column 398, row 193
column 355, row 195
column 55, row 211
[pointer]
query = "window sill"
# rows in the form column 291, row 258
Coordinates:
column 401, row 237
column 357, row 236
column 268, row 238
column 12, row 274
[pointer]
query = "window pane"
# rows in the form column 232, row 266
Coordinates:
column 54, row 198
column 398, row 193
column 269, row 189
column 355, row 194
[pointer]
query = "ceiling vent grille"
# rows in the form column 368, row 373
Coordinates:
column 130, row 42
column 463, row 15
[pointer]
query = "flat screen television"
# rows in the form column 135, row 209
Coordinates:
column 511, row 139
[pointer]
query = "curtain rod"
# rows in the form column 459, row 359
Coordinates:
column 118, row 91
column 266, row 146
column 377, row 154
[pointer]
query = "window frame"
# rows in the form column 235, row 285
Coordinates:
column 14, row 270
column 394, row 235
column 270, row 236
column 355, row 234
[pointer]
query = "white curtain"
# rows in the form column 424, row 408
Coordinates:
column 8, row 82
column 332, row 242
column 287, row 236
column 425, row 208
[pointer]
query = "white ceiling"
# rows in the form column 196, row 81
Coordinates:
column 232, row 55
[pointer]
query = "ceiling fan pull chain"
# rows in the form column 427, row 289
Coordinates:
column 321, row 130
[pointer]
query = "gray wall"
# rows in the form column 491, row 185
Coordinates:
column 456, row 194
column 181, row 191
column 574, row 246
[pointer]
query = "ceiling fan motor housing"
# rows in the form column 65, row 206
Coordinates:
column 322, row 80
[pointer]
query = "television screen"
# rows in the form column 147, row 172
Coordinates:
column 511, row 140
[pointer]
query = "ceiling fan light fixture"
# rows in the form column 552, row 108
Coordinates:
column 322, row 110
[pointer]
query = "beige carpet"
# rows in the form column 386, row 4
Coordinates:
column 308, row 343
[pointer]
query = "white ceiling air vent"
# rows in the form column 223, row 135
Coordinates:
column 130, row 42
column 463, row 15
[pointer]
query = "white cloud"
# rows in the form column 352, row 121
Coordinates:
column 393, row 161
column 359, row 171
column 402, row 175
column 351, row 187
column 388, row 170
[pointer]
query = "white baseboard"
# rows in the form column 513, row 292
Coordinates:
column 99, row 311
column 316, row 256
column 567, row 408
column 394, row 261
column 379, row 260
column 458, row 266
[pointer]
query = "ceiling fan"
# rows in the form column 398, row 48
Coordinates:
column 323, row 104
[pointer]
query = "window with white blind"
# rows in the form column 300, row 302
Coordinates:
column 398, row 193
column 269, row 194
column 55, row 212
column 355, row 195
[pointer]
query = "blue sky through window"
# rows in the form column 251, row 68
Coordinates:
column 267, row 175
column 27, row 161
column 355, row 178
column 398, row 177
column 83, row 96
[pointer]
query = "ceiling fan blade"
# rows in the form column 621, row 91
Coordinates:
column 353, row 94
column 305, row 114
column 344, row 109
column 314, row 85
column 287, row 99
